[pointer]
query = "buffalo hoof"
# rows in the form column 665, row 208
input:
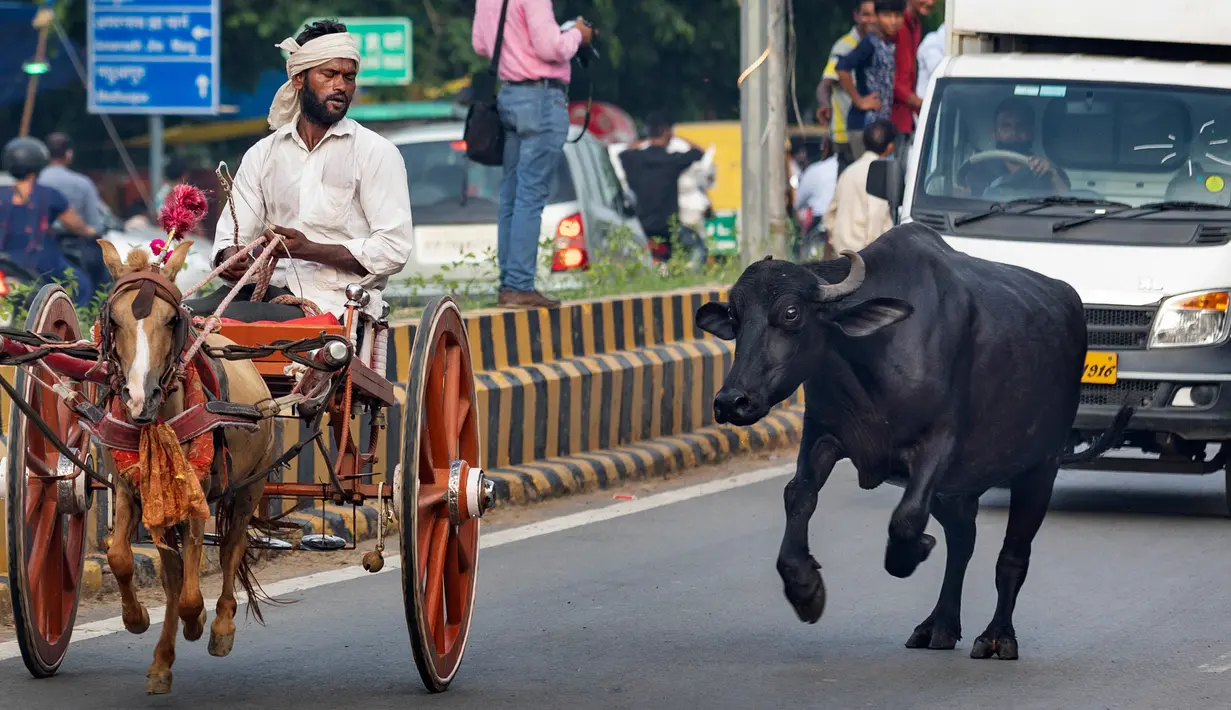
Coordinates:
column 902, row 558
column 1003, row 646
column 158, row 682
column 804, row 588
column 937, row 636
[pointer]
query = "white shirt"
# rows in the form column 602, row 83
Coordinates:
column 817, row 185
column 931, row 51
column 855, row 218
column 351, row 189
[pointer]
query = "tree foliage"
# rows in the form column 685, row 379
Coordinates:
column 681, row 55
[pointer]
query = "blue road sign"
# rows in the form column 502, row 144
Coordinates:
column 154, row 57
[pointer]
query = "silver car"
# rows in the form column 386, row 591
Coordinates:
column 455, row 203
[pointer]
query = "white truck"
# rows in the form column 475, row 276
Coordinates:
column 1090, row 140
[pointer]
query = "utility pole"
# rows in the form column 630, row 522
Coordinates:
column 42, row 22
column 776, row 172
column 763, row 131
column 753, row 219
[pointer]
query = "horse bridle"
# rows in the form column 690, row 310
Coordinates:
column 149, row 285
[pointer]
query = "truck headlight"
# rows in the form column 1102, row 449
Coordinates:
column 1191, row 319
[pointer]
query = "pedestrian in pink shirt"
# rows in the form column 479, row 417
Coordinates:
column 533, row 102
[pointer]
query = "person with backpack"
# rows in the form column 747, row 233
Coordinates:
column 532, row 56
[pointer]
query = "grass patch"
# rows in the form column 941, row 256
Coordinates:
column 621, row 268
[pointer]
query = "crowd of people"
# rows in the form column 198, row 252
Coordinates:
column 869, row 95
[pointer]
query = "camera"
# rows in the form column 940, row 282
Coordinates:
column 588, row 53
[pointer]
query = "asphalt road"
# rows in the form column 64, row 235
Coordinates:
column 1126, row 606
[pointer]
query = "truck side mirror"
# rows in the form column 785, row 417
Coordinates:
column 887, row 180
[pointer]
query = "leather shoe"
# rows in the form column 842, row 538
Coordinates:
column 509, row 298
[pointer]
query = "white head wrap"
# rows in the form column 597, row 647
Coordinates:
column 315, row 52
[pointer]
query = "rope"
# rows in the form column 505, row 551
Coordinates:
column 212, row 323
column 309, row 308
column 739, row 83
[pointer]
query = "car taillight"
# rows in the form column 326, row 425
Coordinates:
column 570, row 245
column 4, row 284
column 459, row 146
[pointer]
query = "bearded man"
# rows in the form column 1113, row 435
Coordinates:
column 335, row 190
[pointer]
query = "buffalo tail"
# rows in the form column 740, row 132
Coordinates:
column 1105, row 441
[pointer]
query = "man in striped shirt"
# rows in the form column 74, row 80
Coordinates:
column 834, row 103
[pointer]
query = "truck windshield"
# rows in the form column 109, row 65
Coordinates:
column 997, row 140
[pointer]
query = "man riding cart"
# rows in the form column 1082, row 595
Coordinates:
column 320, row 174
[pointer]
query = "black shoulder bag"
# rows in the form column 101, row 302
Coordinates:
column 484, row 133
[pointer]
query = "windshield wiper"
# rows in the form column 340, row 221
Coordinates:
column 1032, row 204
column 1143, row 210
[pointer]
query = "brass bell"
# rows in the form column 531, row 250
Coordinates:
column 373, row 561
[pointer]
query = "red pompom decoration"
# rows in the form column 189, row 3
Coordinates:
column 184, row 207
column 157, row 245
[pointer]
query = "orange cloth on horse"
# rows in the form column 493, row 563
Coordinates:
column 168, row 480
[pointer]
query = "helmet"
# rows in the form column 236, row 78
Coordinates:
column 24, row 157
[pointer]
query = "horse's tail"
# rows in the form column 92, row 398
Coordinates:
column 243, row 573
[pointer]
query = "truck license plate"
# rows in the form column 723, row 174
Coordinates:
column 1100, row 368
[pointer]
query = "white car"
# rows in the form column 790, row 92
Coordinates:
column 455, row 202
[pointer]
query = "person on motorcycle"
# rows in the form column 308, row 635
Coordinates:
column 27, row 211
column 82, row 195
column 817, row 184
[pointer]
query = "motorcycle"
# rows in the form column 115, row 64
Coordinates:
column 812, row 237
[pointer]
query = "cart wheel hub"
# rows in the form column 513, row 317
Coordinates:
column 470, row 493
column 73, row 496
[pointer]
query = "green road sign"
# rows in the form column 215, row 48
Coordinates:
column 385, row 49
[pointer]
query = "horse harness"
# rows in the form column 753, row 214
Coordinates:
column 215, row 415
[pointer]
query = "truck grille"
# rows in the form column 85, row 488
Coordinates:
column 1118, row 327
column 1139, row 393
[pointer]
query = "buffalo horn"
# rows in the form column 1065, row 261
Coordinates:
column 852, row 282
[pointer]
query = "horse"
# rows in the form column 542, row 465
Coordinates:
column 143, row 331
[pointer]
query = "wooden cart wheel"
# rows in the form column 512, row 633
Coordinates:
column 441, row 494
column 46, row 520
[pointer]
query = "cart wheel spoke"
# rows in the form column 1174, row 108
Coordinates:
column 453, row 383
column 435, row 575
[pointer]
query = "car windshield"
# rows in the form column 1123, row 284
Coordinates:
column 992, row 141
column 446, row 187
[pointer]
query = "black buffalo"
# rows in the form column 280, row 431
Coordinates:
column 927, row 368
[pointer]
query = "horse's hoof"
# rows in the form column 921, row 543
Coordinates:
column 220, row 645
column 158, row 683
column 194, row 631
column 141, row 625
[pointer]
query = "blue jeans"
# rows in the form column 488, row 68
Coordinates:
column 535, row 120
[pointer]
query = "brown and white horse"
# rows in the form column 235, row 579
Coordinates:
column 143, row 340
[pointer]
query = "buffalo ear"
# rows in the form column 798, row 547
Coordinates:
column 871, row 316
column 715, row 318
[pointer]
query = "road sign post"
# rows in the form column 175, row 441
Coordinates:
column 154, row 57
column 385, row 49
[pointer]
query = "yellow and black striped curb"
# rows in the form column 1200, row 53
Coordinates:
column 554, row 477
column 355, row 524
column 511, row 338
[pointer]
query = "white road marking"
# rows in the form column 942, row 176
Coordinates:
column 115, row 624
column 1222, row 664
